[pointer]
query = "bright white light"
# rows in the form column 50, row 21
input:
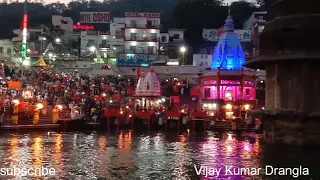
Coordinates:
column 151, row 43
column 104, row 37
column 50, row 54
column 39, row 106
column 92, row 48
column 58, row 40
column 173, row 63
column 183, row 49
column 261, row 81
column 133, row 43
column 153, row 31
column 28, row 50
column 114, row 48
column 133, row 30
column 26, row 63
column 163, row 99
column 44, row 38
column 114, row 37
column 247, row 107
column 229, row 106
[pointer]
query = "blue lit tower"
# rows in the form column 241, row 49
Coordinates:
column 228, row 53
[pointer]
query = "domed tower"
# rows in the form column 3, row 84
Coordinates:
column 151, row 84
column 140, row 85
column 289, row 52
column 228, row 53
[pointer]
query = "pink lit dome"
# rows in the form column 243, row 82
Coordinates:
column 151, row 84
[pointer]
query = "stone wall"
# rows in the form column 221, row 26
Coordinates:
column 270, row 87
column 294, row 86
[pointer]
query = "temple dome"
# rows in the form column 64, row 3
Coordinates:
column 228, row 53
column 140, row 85
column 151, row 84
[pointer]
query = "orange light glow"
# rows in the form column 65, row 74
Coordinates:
column 37, row 148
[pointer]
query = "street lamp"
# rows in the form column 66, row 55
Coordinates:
column 92, row 48
column 58, row 40
column 43, row 39
column 183, row 50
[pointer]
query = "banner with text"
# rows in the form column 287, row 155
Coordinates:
column 148, row 15
column 134, row 60
column 214, row 34
column 95, row 17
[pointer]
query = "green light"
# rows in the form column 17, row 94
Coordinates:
column 24, row 50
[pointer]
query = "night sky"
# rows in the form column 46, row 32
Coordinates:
column 67, row 1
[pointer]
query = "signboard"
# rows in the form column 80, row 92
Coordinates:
column 224, row 82
column 135, row 14
column 96, row 33
column 133, row 60
column 214, row 34
column 81, row 27
column 95, row 17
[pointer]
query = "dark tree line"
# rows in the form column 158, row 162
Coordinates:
column 192, row 15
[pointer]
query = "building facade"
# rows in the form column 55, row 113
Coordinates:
column 142, row 32
column 171, row 42
column 256, row 24
column 36, row 43
column 66, row 26
column 6, row 49
column 203, row 60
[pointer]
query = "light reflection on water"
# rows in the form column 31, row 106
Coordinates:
column 128, row 155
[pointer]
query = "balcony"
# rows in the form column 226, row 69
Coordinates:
column 142, row 39
column 104, row 45
column 142, row 26
column 139, row 51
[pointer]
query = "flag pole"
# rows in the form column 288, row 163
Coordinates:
column 24, row 48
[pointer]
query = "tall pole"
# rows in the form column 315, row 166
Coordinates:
column 183, row 60
column 24, row 47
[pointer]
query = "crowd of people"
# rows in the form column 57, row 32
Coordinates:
column 74, row 89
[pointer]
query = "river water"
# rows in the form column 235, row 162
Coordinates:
column 154, row 155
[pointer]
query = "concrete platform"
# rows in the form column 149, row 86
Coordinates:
column 39, row 126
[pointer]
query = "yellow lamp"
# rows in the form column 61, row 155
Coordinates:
column 39, row 106
column 247, row 107
column 16, row 101
column 229, row 106
column 59, row 107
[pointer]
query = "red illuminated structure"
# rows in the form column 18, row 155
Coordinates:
column 83, row 27
column 231, row 89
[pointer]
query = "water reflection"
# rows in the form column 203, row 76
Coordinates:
column 57, row 153
column 37, row 155
column 129, row 155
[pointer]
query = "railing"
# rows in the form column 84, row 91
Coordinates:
column 104, row 45
column 144, row 39
column 142, row 26
column 139, row 51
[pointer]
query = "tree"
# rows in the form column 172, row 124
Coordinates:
column 266, row 4
column 241, row 11
column 211, row 14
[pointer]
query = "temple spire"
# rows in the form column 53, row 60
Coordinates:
column 229, row 26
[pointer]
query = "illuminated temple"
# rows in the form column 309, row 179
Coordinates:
column 228, row 80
